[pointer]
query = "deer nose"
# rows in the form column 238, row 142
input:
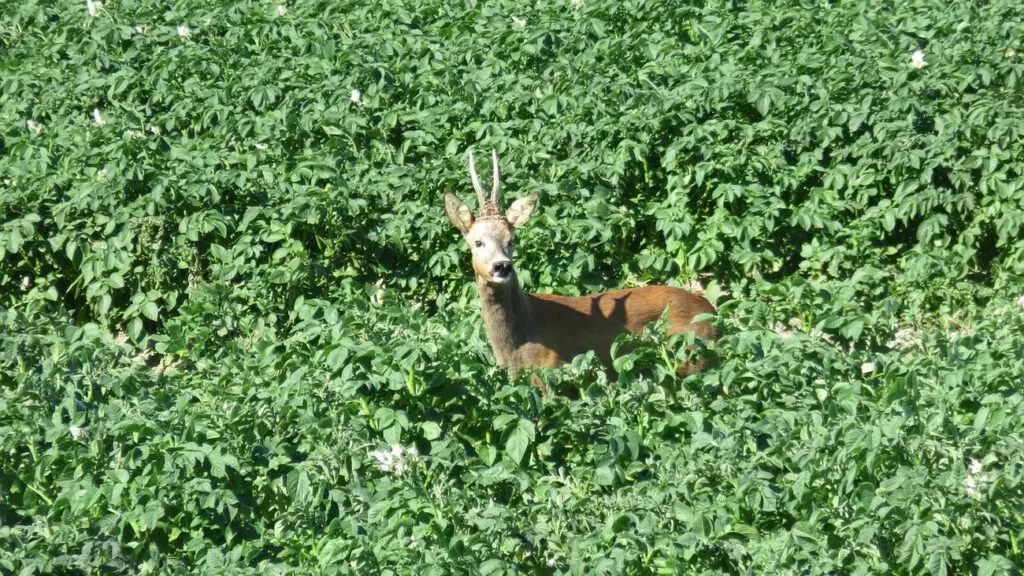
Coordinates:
column 503, row 268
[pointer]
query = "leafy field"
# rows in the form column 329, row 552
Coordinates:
column 239, row 336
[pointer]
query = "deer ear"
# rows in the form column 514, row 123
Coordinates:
column 457, row 211
column 521, row 210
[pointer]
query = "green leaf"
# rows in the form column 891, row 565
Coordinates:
column 853, row 330
column 519, row 440
column 503, row 420
column 431, row 430
column 605, row 475
column 152, row 514
column 218, row 467
column 104, row 305
column 14, row 240
column 763, row 103
column 151, row 310
column 135, row 328
column 980, row 418
column 488, row 454
column 492, row 566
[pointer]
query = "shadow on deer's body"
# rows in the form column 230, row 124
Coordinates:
column 547, row 330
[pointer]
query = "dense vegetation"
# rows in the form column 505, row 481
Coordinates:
column 237, row 334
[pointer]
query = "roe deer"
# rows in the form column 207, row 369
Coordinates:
column 547, row 330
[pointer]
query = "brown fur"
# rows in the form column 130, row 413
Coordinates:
column 547, row 330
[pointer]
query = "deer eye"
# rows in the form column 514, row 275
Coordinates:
column 478, row 244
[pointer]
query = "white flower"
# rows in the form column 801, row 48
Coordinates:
column 1020, row 300
column 154, row 129
column 184, row 31
column 93, row 7
column 140, row 30
column 974, row 478
column 26, row 283
column 33, row 127
column 395, row 461
column 378, row 296
column 780, row 329
column 521, row 22
column 281, row 10
column 1010, row 53
column 974, row 467
column 97, row 116
column 101, row 174
column 972, row 487
column 357, row 96
column 577, row 4
column 385, row 459
column 867, row 368
column 134, row 134
column 917, row 60
column 820, row 334
column 261, row 146
column 75, row 432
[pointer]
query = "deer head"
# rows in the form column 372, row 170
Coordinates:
column 490, row 234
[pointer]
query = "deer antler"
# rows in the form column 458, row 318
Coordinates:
column 476, row 182
column 496, row 186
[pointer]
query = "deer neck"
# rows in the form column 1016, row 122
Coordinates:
column 507, row 317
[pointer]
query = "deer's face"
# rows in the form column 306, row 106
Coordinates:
column 491, row 238
column 490, row 234
column 491, row 242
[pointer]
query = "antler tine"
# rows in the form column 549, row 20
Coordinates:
column 496, row 186
column 476, row 181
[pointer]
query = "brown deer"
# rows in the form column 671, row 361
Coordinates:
column 547, row 330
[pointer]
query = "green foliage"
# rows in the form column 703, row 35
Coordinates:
column 237, row 334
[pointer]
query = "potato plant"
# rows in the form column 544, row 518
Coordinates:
column 239, row 336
